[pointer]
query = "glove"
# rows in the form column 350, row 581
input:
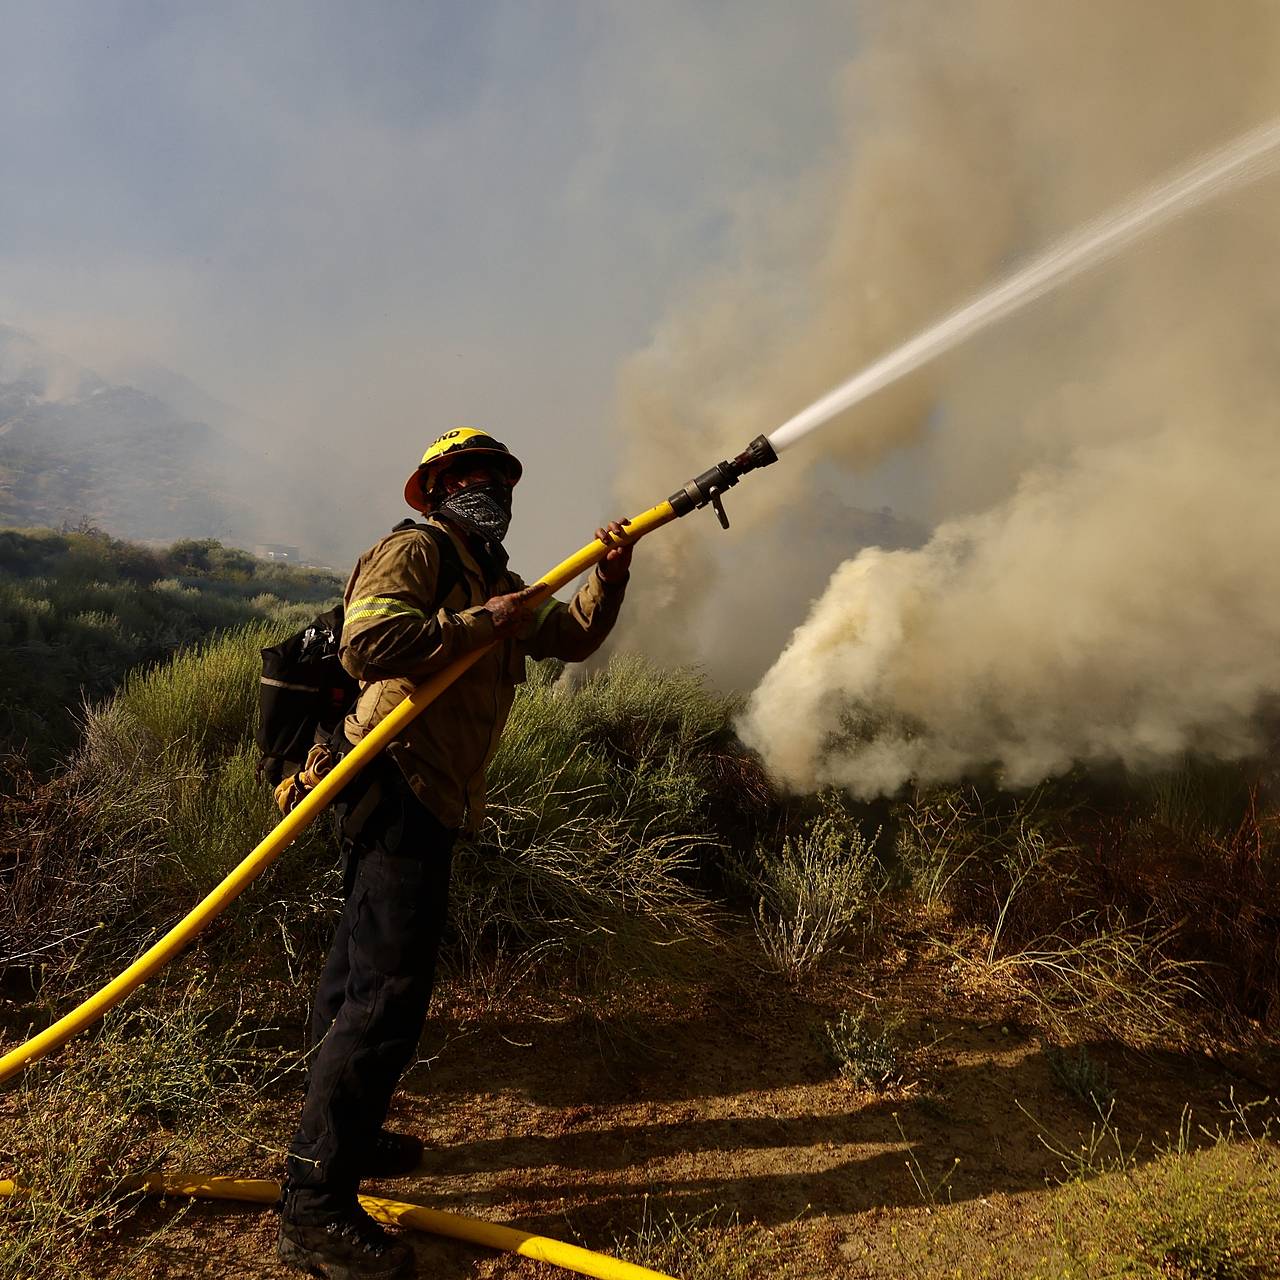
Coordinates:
column 293, row 790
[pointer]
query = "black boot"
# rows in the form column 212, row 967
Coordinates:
column 348, row 1247
column 392, row 1155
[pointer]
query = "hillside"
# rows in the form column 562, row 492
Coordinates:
column 682, row 1018
column 75, row 448
column 80, row 609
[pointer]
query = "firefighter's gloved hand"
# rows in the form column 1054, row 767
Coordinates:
column 616, row 566
column 511, row 612
column 293, row 790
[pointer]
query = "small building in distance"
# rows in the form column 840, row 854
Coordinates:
column 276, row 551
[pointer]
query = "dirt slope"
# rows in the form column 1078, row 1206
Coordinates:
column 560, row 1122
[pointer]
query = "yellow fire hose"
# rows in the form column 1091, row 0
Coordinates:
column 293, row 824
column 704, row 489
column 396, row 1213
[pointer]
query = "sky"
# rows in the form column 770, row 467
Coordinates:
column 365, row 224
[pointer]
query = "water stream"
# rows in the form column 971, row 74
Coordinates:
column 1250, row 157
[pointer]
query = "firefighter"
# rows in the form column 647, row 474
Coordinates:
column 400, row 626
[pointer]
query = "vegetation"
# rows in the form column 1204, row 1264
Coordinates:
column 812, row 891
column 712, row 1245
column 590, row 848
column 1082, row 1076
column 158, row 803
column 1081, row 901
column 1202, row 1204
column 632, row 846
column 158, row 1085
column 79, row 609
column 1207, row 1204
column 865, row 1052
column 605, row 800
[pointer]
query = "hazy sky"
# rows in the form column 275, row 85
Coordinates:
column 365, row 223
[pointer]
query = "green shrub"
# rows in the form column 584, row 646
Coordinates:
column 607, row 801
column 203, row 702
column 1081, row 1075
column 865, row 1052
column 602, row 810
column 812, row 892
column 159, row 803
column 656, row 741
column 78, row 610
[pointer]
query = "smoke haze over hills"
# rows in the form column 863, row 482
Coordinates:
column 76, row 447
column 364, row 226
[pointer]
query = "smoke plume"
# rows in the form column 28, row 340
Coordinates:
column 1101, row 583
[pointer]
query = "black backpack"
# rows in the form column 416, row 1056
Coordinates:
column 304, row 694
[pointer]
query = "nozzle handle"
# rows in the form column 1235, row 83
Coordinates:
column 708, row 487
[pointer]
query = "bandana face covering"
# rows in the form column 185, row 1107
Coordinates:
column 483, row 509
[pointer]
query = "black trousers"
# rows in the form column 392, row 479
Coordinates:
column 373, row 995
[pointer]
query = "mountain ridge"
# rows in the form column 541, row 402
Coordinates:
column 76, row 448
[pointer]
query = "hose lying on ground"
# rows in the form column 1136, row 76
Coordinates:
column 396, row 1213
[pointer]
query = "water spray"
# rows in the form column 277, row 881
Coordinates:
column 1250, row 157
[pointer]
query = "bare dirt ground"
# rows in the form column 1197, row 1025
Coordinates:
column 554, row 1120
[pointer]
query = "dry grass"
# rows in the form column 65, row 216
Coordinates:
column 167, row 1085
column 712, row 1245
column 812, row 892
column 1095, row 910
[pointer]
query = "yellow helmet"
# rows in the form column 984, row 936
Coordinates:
column 446, row 449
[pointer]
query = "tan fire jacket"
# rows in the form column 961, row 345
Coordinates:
column 392, row 640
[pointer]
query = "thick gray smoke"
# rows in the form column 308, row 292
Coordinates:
column 1102, row 582
column 1125, row 605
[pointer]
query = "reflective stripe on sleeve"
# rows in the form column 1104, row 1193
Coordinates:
column 545, row 609
column 381, row 607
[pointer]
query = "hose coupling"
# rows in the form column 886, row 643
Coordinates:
column 711, row 484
